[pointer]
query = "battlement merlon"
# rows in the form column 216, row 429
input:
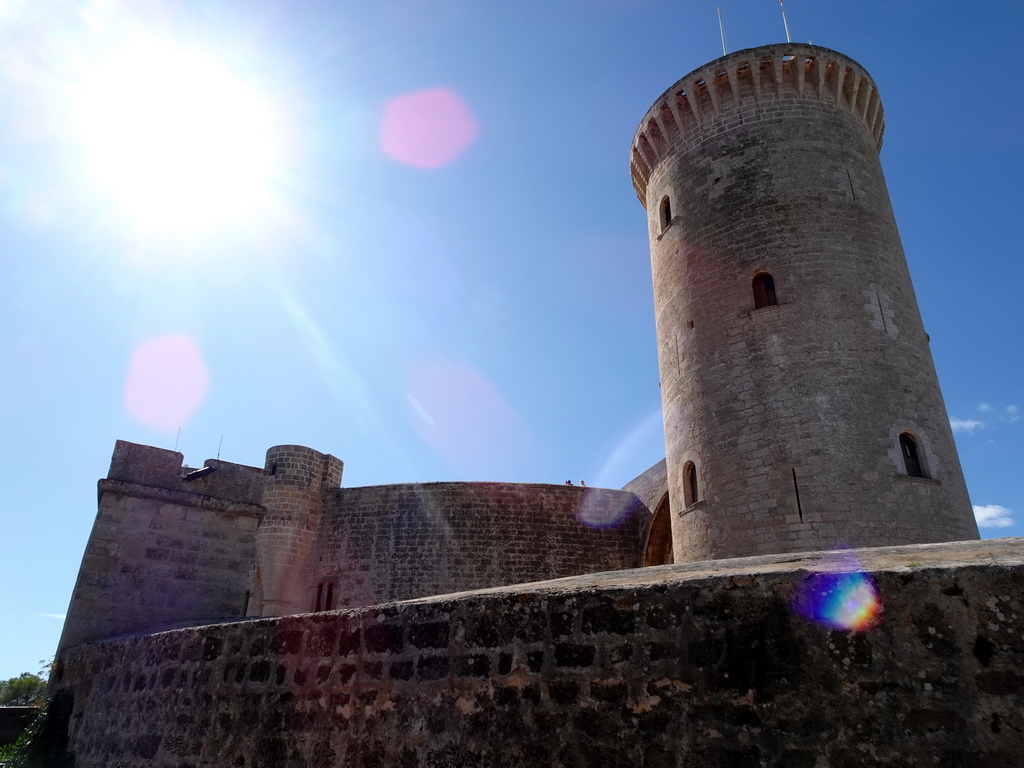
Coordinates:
column 144, row 465
column 761, row 74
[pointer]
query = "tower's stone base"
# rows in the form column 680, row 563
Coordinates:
column 707, row 664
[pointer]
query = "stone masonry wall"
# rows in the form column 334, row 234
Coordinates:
column 689, row 665
column 159, row 468
column 395, row 542
column 173, row 545
column 159, row 554
column 651, row 485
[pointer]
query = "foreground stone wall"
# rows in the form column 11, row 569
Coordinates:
column 383, row 543
column 689, row 665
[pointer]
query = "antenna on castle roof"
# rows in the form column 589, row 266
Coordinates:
column 784, row 22
column 721, row 28
column 219, row 446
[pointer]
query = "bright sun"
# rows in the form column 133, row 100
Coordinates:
column 178, row 140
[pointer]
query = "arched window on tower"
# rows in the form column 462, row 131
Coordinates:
column 764, row 290
column 911, row 456
column 318, row 605
column 690, row 494
column 666, row 213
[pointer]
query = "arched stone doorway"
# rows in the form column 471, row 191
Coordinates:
column 659, row 536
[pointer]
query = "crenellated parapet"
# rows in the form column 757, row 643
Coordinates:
column 744, row 79
column 158, row 473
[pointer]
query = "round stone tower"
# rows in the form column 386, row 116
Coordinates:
column 296, row 478
column 802, row 410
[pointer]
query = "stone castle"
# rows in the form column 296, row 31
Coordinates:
column 174, row 545
column 234, row 615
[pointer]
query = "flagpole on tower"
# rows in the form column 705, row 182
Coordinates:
column 721, row 28
column 784, row 22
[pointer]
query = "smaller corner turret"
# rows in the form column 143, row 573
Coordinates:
column 296, row 478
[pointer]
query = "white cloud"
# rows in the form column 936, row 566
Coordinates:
column 992, row 516
column 1005, row 413
column 965, row 425
column 60, row 616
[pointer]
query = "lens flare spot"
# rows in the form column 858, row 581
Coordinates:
column 427, row 129
column 166, row 383
column 840, row 600
column 598, row 511
column 464, row 418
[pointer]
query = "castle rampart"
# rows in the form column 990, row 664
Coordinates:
column 702, row 665
column 170, row 544
column 144, row 466
column 286, row 539
column 396, row 542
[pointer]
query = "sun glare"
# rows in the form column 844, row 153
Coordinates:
column 177, row 139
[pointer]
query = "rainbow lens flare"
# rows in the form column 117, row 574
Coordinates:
column 847, row 600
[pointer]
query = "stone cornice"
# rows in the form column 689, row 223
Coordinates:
column 183, row 498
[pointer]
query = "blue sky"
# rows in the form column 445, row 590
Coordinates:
column 469, row 304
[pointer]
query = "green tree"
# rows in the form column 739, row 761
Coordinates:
column 22, row 691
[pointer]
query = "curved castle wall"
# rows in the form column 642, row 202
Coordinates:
column 784, row 409
column 174, row 545
column 395, row 542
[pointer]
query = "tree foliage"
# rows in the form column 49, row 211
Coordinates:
column 22, row 691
